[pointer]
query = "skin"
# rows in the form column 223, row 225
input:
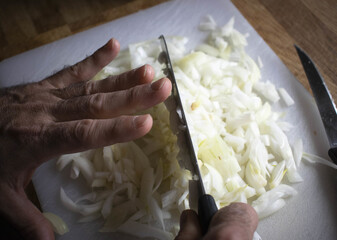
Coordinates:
column 67, row 113
column 237, row 221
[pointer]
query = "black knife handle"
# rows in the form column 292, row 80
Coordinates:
column 206, row 210
column 333, row 154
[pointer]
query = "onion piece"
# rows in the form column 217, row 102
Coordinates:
column 64, row 160
column 108, row 203
column 59, row 226
column 67, row 202
column 286, row 97
column 267, row 90
column 317, row 159
column 298, row 151
column 75, row 171
column 85, row 166
column 272, row 201
column 207, row 24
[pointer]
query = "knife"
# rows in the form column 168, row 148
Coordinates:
column 324, row 101
column 206, row 204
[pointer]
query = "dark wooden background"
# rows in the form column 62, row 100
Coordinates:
column 311, row 24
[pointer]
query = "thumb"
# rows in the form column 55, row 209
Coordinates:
column 189, row 226
column 237, row 221
column 23, row 217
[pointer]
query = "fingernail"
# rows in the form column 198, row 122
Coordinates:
column 113, row 42
column 148, row 70
column 139, row 121
column 145, row 70
column 158, row 84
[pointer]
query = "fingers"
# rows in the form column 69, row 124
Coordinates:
column 123, row 81
column 237, row 221
column 109, row 105
column 75, row 136
column 189, row 226
column 27, row 219
column 86, row 69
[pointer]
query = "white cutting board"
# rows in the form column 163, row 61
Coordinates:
column 310, row 215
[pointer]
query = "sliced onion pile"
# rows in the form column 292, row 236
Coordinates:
column 244, row 153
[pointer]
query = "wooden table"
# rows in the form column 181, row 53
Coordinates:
column 311, row 24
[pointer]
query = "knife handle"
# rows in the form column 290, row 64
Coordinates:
column 333, row 154
column 206, row 210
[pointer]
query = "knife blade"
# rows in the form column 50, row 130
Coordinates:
column 206, row 204
column 324, row 101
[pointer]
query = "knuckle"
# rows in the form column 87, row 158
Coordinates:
column 24, row 135
column 96, row 103
column 131, row 97
column 83, row 131
column 118, row 80
column 75, row 71
column 88, row 87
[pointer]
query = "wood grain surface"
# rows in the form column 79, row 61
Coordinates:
column 26, row 24
column 311, row 24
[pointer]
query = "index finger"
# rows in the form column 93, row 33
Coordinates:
column 87, row 68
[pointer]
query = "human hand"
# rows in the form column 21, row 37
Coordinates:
column 237, row 221
column 67, row 113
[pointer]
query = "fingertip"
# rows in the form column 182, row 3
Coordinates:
column 163, row 83
column 168, row 86
column 188, row 215
column 163, row 87
column 114, row 44
column 145, row 74
column 148, row 72
column 143, row 123
column 189, row 226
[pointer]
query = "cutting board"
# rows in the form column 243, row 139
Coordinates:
column 312, row 214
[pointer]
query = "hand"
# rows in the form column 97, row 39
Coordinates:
column 237, row 221
column 67, row 113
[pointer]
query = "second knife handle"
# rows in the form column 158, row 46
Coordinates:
column 206, row 210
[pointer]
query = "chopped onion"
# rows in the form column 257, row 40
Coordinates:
column 243, row 151
column 208, row 24
column 67, row 202
column 317, row 159
column 267, row 90
column 298, row 151
column 286, row 97
column 59, row 226
column 272, row 201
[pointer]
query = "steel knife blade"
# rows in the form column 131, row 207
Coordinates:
column 324, row 101
column 206, row 204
